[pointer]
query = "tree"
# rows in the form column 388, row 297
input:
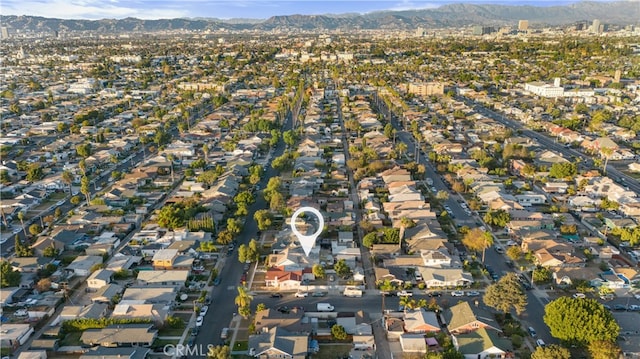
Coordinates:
column 35, row 229
column 277, row 202
column 505, row 294
column 514, row 252
column 21, row 218
column 234, row 226
column 541, row 275
column 600, row 349
column 338, row 332
column 35, row 172
column 401, row 148
column 318, row 271
column 342, row 268
column 243, row 300
column 43, row 285
column 565, row 170
column 478, row 240
column 219, row 352
column 21, row 249
column 8, row 276
column 50, row 252
column 289, row 138
column 264, row 218
column 248, row 253
column 498, row 218
column 225, row 237
column 83, row 150
column 580, row 321
column 606, row 152
column 67, row 177
column 442, row 195
column 551, row 352
column 86, row 189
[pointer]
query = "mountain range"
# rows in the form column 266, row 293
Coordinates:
column 454, row 15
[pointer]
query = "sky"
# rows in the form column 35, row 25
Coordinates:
column 226, row 9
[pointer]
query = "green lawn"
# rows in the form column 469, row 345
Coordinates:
column 171, row 332
column 242, row 345
column 332, row 351
column 71, row 339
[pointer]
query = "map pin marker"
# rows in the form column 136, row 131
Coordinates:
column 309, row 241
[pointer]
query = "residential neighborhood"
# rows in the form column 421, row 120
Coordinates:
column 472, row 192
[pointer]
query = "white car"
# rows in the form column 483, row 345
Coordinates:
column 60, row 202
column 404, row 293
column 199, row 321
column 301, row 294
column 457, row 293
column 203, row 311
column 579, row 295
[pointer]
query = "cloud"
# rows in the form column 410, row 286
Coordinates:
column 90, row 9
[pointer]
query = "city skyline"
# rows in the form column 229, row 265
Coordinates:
column 225, row 9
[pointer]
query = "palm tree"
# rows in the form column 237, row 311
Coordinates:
column 21, row 218
column 170, row 159
column 86, row 189
column 243, row 299
column 205, row 150
column 67, row 177
column 401, row 147
column 83, row 167
column 606, row 152
column 385, row 288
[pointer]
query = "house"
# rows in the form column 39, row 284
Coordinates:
column 106, row 294
column 566, row 276
column 146, row 295
column 481, row 344
column 290, row 321
column 99, row 278
column 91, row 311
column 283, row 279
column 170, row 259
column 82, row 265
column 463, row 318
column 413, row 343
column 29, row 264
column 445, row 277
column 122, row 335
column 529, row 199
column 420, row 321
column 157, row 313
column 163, row 278
column 279, row 343
column 14, row 335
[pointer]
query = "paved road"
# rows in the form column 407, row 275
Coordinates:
column 223, row 308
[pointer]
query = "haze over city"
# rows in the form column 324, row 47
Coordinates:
column 256, row 9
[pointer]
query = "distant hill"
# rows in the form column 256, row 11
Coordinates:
column 455, row 15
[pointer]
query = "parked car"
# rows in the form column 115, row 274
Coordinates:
column 276, row 295
column 301, row 294
column 619, row 307
column 457, row 293
column 434, row 294
column 199, row 321
column 318, row 294
column 404, row 293
column 579, row 295
column 216, row 281
column 532, row 331
column 203, row 311
column 473, row 293
column 540, row 343
column 634, row 308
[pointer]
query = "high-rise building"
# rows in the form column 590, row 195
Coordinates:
column 595, row 26
column 523, row 25
column 4, row 32
column 483, row 30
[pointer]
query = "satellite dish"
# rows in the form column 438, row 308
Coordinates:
column 183, row 297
